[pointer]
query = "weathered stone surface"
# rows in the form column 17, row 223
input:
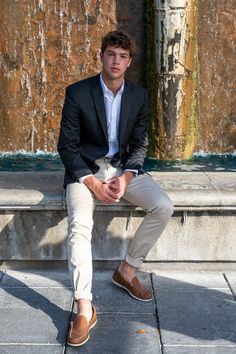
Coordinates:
column 226, row 186
column 33, row 235
column 196, row 316
column 201, row 236
column 33, row 219
column 44, row 191
column 32, row 190
column 41, row 235
column 45, row 46
column 130, row 18
column 217, row 41
column 174, row 125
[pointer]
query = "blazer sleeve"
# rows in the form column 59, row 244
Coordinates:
column 138, row 141
column 69, row 138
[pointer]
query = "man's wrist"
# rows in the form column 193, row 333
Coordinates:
column 91, row 182
column 128, row 175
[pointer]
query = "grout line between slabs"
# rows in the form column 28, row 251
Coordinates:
column 229, row 285
column 2, row 274
column 157, row 316
column 70, row 318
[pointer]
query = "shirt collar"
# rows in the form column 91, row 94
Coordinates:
column 105, row 89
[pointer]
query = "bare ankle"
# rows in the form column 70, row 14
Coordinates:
column 84, row 307
column 127, row 270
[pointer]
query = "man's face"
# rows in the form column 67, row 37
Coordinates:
column 115, row 62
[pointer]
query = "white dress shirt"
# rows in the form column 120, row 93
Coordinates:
column 112, row 105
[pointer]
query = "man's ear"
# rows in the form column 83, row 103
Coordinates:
column 101, row 56
column 129, row 62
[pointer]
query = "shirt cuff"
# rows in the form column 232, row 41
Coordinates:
column 81, row 179
column 130, row 170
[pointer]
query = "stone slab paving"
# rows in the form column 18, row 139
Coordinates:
column 122, row 334
column 31, row 349
column 36, row 278
column 196, row 314
column 195, row 310
column 124, row 324
column 35, row 309
column 41, row 315
column 189, row 280
column 198, row 350
column 108, row 298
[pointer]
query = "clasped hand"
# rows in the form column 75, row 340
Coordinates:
column 112, row 190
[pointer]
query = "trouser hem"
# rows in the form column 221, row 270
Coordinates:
column 77, row 298
column 133, row 262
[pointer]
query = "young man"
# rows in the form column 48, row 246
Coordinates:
column 102, row 143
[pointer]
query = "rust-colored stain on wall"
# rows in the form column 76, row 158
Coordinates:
column 45, row 45
column 217, row 87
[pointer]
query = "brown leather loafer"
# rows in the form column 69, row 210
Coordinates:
column 135, row 288
column 79, row 329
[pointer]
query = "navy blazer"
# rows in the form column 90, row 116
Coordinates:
column 84, row 137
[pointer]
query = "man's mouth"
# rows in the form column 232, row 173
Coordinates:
column 115, row 69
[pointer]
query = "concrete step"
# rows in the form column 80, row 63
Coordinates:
column 202, row 229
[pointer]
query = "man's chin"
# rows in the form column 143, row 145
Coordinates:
column 116, row 76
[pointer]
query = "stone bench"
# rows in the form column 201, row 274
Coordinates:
column 187, row 190
column 33, row 219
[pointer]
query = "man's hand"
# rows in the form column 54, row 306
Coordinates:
column 119, row 184
column 103, row 191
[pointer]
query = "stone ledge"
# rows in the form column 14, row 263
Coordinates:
column 187, row 190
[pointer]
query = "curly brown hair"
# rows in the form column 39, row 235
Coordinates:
column 118, row 39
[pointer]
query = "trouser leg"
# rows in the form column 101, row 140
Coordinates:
column 146, row 193
column 80, row 207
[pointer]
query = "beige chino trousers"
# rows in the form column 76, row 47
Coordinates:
column 142, row 191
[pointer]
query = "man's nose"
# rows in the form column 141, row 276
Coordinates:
column 116, row 60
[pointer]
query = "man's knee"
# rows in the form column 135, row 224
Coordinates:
column 164, row 206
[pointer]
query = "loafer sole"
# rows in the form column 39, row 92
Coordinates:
column 131, row 294
column 86, row 339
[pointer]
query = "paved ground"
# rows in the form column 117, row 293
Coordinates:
column 191, row 313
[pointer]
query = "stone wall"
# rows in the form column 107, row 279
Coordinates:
column 191, row 77
column 44, row 46
column 47, row 44
column 217, row 85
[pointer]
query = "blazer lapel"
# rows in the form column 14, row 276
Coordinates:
column 100, row 106
column 124, row 112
